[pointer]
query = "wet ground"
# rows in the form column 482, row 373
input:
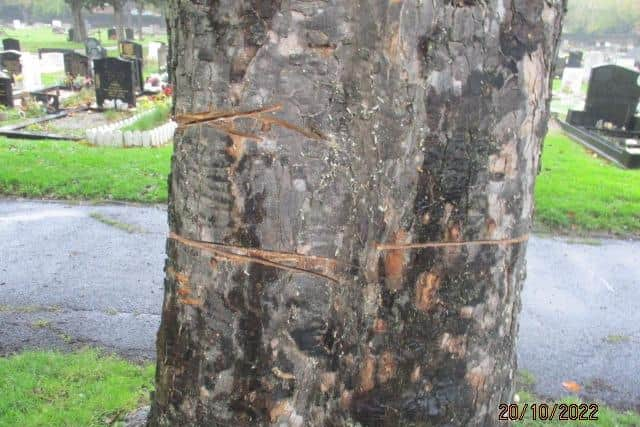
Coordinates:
column 72, row 275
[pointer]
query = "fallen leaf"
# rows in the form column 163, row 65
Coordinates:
column 572, row 386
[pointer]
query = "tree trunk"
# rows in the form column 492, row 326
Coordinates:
column 80, row 30
column 322, row 301
column 140, row 7
column 119, row 19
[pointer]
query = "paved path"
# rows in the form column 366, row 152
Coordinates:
column 72, row 275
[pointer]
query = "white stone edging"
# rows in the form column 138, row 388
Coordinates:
column 112, row 136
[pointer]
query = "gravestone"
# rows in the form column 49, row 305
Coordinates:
column 133, row 51
column 10, row 61
column 11, row 44
column 162, row 56
column 94, row 49
column 114, row 79
column 128, row 33
column 575, row 59
column 71, row 34
column 76, row 64
column 572, row 79
column 612, row 97
column 6, row 90
column 112, row 34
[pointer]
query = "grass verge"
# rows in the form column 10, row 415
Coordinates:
column 86, row 388
column 68, row 170
column 578, row 192
column 158, row 116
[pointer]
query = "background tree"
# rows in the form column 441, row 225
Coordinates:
column 349, row 137
column 80, row 29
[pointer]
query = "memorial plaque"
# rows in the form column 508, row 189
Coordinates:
column 6, row 91
column 128, row 34
column 94, row 49
column 114, row 79
column 112, row 34
column 76, row 64
column 11, row 44
column 133, row 51
column 10, row 61
column 575, row 59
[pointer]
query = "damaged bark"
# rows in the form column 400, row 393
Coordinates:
column 305, row 284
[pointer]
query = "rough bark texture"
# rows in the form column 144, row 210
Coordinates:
column 80, row 30
column 432, row 115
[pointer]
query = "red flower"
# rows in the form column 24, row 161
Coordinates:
column 168, row 90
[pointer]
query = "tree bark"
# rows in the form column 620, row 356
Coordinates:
column 80, row 29
column 119, row 19
column 140, row 7
column 402, row 123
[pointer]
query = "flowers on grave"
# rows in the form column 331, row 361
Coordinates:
column 168, row 90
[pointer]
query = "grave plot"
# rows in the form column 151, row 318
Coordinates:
column 608, row 124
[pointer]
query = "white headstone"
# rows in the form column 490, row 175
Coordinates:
column 153, row 50
column 31, row 72
column 56, row 23
column 17, row 24
column 572, row 79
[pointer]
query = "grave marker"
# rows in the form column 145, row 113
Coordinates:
column 76, row 64
column 133, row 51
column 70, row 34
column 10, row 61
column 94, row 49
column 6, row 90
column 575, row 59
column 114, row 79
column 612, row 97
column 128, row 34
column 112, row 34
column 11, row 44
column 162, row 56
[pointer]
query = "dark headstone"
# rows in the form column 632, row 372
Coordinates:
column 10, row 61
column 114, row 79
column 76, row 64
column 575, row 59
column 112, row 34
column 133, row 51
column 6, row 90
column 94, row 49
column 612, row 97
column 11, row 44
column 128, row 33
column 71, row 34
column 559, row 66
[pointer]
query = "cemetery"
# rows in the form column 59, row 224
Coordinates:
column 88, row 83
column 87, row 132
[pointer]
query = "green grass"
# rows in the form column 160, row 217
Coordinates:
column 607, row 417
column 86, row 388
column 158, row 116
column 53, row 79
column 577, row 192
column 68, row 170
column 33, row 38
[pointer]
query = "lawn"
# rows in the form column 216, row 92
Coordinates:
column 33, row 38
column 68, row 170
column 156, row 117
column 86, row 388
column 578, row 192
